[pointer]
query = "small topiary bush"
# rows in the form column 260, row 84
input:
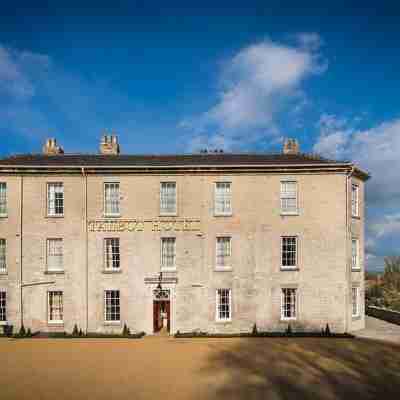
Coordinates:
column 254, row 332
column 75, row 331
column 22, row 331
column 327, row 330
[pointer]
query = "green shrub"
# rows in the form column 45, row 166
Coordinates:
column 254, row 332
column 327, row 330
column 126, row 331
column 75, row 332
column 22, row 331
column 29, row 333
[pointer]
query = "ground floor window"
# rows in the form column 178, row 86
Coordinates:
column 3, row 306
column 355, row 301
column 223, row 305
column 55, row 307
column 111, row 306
column 288, row 304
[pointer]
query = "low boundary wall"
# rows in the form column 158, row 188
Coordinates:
column 383, row 313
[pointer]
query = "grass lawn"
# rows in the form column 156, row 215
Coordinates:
column 165, row 368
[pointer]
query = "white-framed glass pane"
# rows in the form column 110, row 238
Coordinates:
column 289, row 251
column 223, row 304
column 111, row 198
column 55, row 254
column 168, row 197
column 55, row 306
column 55, row 198
column 3, row 198
column 111, row 305
column 3, row 255
column 354, row 200
column 3, row 306
column 223, row 204
column 289, row 196
column 111, row 254
column 168, row 248
column 354, row 254
column 354, row 301
column 223, row 251
column 288, row 303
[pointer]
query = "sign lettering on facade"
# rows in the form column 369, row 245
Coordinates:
column 140, row 225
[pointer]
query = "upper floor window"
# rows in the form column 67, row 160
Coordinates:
column 3, row 306
column 223, row 305
column 223, row 252
column 168, row 255
column 354, row 200
column 355, row 312
column 111, row 254
column 355, row 262
column 55, row 307
column 55, row 255
column 3, row 255
column 289, row 197
column 112, row 307
column 168, row 198
column 3, row 199
column 111, row 198
column 288, row 303
column 55, row 199
column 223, row 198
column 289, row 252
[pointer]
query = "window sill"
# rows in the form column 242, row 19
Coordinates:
column 3, row 215
column 288, row 319
column 356, row 217
column 3, row 273
column 289, row 214
column 223, row 214
column 289, row 268
column 106, row 271
column 55, row 216
column 223, row 269
column 49, row 272
column 2, row 323
column 165, row 214
column 172, row 269
column 356, row 270
column 355, row 317
column 111, row 215
column 55, row 323
column 223, row 321
column 112, row 323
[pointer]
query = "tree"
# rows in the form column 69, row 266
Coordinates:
column 391, row 283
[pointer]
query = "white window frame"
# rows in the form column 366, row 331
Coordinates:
column 49, row 267
column 355, row 257
column 216, row 196
column 164, row 211
column 217, row 305
column 3, row 306
column 3, row 245
column 112, row 321
column 284, row 195
column 283, row 317
column 163, row 266
column 286, row 267
column 105, row 207
column 105, row 253
column 3, row 199
column 356, row 303
column 355, row 200
column 49, row 209
column 49, row 307
column 222, row 267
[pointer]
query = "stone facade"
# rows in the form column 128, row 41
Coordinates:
column 323, row 225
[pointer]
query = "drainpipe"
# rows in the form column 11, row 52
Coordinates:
column 84, row 176
column 20, row 248
column 348, row 271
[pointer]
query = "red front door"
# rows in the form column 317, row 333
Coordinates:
column 161, row 309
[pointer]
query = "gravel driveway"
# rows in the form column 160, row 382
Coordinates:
column 377, row 329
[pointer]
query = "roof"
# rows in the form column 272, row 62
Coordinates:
column 135, row 161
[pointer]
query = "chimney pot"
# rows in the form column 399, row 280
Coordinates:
column 291, row 146
column 109, row 144
column 51, row 148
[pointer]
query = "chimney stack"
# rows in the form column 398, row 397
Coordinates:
column 109, row 144
column 51, row 148
column 291, row 146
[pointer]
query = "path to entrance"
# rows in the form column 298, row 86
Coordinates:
column 378, row 329
column 183, row 369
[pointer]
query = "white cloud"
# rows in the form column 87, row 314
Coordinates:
column 389, row 225
column 16, row 69
column 256, row 85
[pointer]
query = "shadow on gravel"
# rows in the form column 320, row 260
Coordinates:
column 305, row 369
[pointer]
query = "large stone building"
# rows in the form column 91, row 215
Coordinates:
column 214, row 242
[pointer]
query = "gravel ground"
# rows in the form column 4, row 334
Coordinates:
column 377, row 329
column 166, row 368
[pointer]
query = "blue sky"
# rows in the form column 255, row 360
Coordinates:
column 236, row 75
